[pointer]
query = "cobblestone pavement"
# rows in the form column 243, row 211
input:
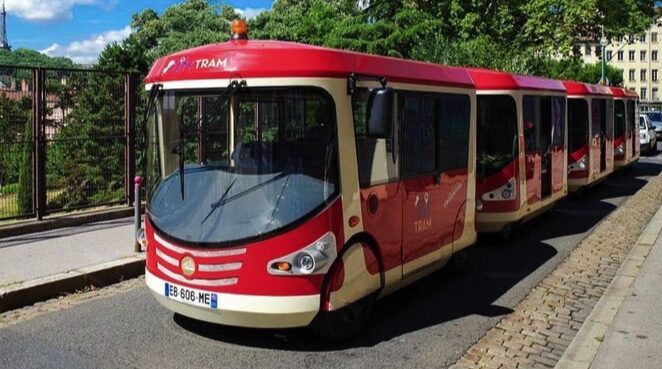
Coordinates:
column 542, row 326
column 67, row 301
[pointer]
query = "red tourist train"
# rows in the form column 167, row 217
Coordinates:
column 292, row 185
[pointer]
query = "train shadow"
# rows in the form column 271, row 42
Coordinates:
column 440, row 298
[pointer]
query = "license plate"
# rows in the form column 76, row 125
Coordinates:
column 191, row 296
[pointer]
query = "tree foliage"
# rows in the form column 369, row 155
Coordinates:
column 531, row 36
column 33, row 58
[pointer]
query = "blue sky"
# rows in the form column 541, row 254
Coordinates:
column 79, row 29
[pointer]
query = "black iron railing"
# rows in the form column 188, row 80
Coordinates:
column 66, row 140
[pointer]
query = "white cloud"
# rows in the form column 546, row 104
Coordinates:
column 250, row 13
column 87, row 51
column 50, row 10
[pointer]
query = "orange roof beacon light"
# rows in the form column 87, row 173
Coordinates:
column 239, row 30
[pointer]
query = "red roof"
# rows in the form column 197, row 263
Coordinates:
column 586, row 89
column 623, row 93
column 493, row 80
column 255, row 59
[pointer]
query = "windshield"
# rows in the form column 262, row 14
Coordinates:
column 655, row 116
column 497, row 134
column 212, row 179
column 642, row 123
column 577, row 124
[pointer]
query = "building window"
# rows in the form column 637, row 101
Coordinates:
column 642, row 74
column 654, row 55
column 642, row 38
column 654, row 94
column 642, row 55
column 620, row 56
column 654, row 75
column 587, row 50
column 643, row 93
column 631, row 39
column 609, row 55
column 654, row 37
column 631, row 55
column 632, row 71
column 598, row 52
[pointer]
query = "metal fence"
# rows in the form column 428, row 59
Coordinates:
column 66, row 140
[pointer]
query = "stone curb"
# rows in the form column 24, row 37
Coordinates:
column 29, row 292
column 61, row 221
column 585, row 345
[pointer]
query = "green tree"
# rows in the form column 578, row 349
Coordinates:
column 33, row 58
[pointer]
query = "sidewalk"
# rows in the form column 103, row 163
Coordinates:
column 39, row 266
column 625, row 328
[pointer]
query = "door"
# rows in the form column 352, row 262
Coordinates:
column 422, row 224
column 558, row 143
column 600, row 131
column 532, row 146
column 545, row 140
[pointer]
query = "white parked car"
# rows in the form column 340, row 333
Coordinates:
column 647, row 136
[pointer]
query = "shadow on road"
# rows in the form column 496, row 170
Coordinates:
column 495, row 270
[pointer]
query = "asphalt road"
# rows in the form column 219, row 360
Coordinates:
column 427, row 325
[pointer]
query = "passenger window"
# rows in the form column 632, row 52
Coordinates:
column 418, row 117
column 619, row 118
column 496, row 134
column 454, row 124
column 531, row 123
column 377, row 158
column 558, row 121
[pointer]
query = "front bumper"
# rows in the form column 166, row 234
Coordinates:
column 244, row 310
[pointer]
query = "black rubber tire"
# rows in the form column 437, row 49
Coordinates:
column 345, row 324
column 506, row 233
column 459, row 262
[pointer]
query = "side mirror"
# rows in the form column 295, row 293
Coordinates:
column 380, row 113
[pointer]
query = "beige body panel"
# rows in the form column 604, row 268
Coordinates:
column 357, row 281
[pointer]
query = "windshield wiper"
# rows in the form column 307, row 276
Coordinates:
column 218, row 203
column 222, row 200
column 179, row 147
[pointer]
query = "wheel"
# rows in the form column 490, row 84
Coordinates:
column 506, row 232
column 459, row 262
column 344, row 324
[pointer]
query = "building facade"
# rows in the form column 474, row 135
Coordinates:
column 640, row 58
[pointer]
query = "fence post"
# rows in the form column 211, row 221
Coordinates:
column 39, row 144
column 130, row 134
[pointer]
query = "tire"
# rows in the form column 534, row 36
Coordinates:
column 459, row 262
column 506, row 233
column 345, row 324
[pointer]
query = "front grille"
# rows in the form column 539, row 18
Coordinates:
column 214, row 267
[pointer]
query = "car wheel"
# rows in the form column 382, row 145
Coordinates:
column 344, row 324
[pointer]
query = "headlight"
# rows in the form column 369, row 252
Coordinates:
column 503, row 193
column 619, row 150
column 578, row 165
column 315, row 258
column 305, row 263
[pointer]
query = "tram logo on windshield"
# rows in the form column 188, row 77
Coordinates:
column 184, row 65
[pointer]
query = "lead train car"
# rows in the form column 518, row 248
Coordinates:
column 521, row 148
column 287, row 206
column 590, row 134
